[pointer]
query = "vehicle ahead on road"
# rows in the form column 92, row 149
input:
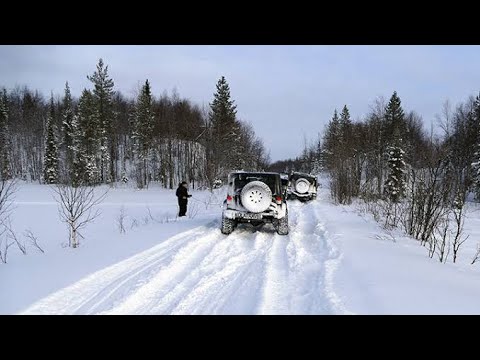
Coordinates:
column 256, row 198
column 302, row 187
column 285, row 179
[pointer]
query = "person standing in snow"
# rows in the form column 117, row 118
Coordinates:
column 182, row 195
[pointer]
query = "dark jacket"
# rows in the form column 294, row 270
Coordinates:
column 182, row 194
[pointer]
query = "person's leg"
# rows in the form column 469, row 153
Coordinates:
column 183, row 208
column 180, row 208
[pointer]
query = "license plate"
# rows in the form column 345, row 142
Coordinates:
column 250, row 216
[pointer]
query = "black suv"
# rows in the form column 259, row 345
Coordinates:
column 255, row 198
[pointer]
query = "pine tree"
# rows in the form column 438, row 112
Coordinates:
column 475, row 114
column 395, row 184
column 345, row 127
column 86, row 141
column 224, row 136
column 142, row 133
column 394, row 118
column 4, row 138
column 77, row 172
column 236, row 159
column 331, row 140
column 50, row 172
column 68, row 131
column 103, row 94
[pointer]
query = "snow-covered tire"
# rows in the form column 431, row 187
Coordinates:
column 228, row 225
column 282, row 226
column 302, row 185
column 256, row 196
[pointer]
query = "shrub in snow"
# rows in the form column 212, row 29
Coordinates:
column 77, row 208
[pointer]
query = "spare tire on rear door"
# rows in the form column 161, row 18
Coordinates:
column 302, row 185
column 256, row 196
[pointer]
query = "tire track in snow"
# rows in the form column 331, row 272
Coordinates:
column 276, row 289
column 331, row 262
column 202, row 271
column 176, row 280
column 219, row 291
column 102, row 286
column 306, row 283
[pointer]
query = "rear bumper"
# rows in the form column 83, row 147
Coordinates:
column 243, row 216
column 305, row 196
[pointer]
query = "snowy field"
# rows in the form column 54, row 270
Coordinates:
column 334, row 261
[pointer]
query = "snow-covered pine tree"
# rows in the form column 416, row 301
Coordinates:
column 77, row 171
column 68, row 133
column 222, row 121
column 395, row 184
column 236, row 159
column 476, row 162
column 4, row 138
column 143, row 122
column 103, row 94
column 86, row 141
column 50, row 163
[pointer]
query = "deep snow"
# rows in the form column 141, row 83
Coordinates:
column 334, row 261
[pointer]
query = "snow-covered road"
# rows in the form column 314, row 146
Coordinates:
column 201, row 271
column 335, row 260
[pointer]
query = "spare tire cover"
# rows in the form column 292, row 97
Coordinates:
column 256, row 196
column 302, row 185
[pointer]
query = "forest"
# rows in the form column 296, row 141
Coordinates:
column 409, row 178
column 104, row 137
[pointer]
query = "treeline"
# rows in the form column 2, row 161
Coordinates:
column 104, row 137
column 407, row 177
column 374, row 157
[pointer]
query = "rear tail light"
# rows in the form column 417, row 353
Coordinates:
column 278, row 199
column 229, row 199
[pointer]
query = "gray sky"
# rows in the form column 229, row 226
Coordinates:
column 286, row 92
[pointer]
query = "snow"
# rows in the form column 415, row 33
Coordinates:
column 334, row 261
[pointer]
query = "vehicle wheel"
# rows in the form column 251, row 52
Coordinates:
column 228, row 225
column 256, row 196
column 282, row 226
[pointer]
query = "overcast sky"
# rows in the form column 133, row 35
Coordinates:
column 286, row 92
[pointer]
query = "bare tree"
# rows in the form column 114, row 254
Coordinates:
column 477, row 255
column 7, row 191
column 458, row 211
column 77, row 208
column 11, row 235
column 439, row 241
column 193, row 211
column 5, row 244
column 444, row 120
column 33, row 239
column 121, row 220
